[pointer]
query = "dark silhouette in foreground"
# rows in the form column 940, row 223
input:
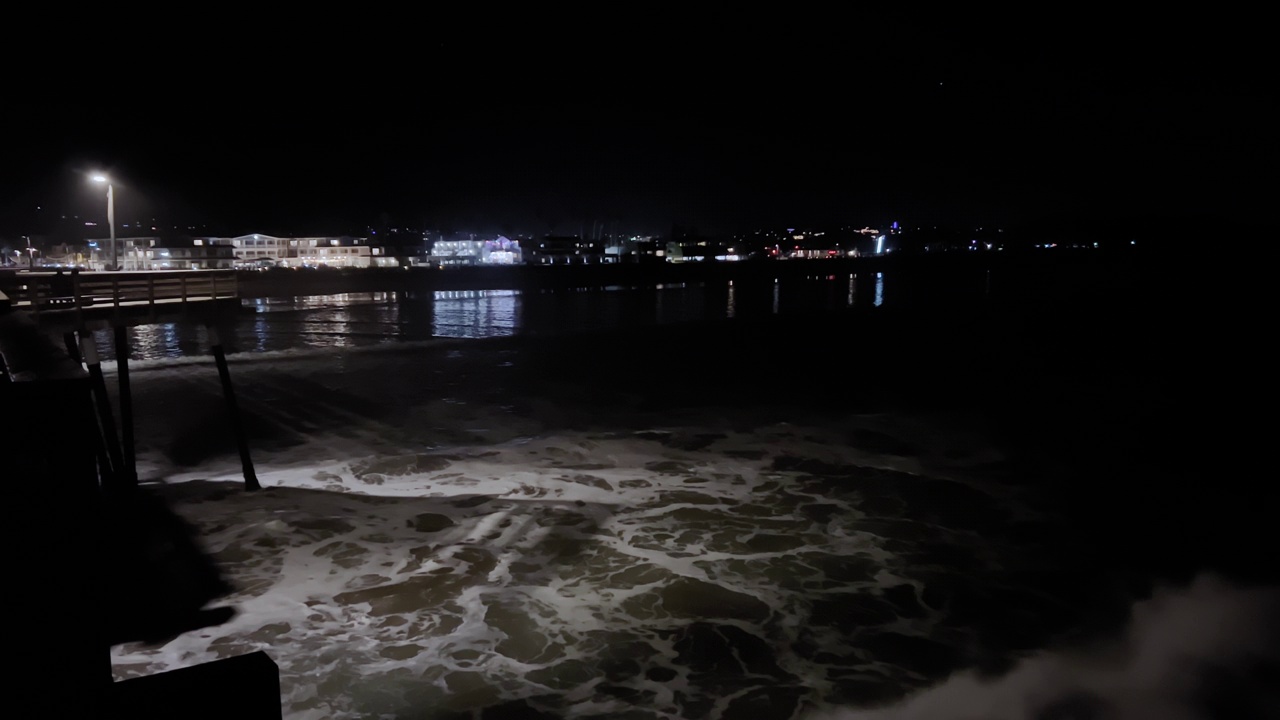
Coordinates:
column 95, row 565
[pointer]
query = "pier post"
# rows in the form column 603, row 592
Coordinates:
column 106, row 477
column 118, row 479
column 126, row 404
column 242, row 444
column 73, row 346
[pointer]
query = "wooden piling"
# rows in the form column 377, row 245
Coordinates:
column 228, row 392
column 73, row 346
column 130, row 470
column 105, row 418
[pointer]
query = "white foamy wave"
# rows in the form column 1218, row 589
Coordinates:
column 451, row 529
column 699, row 572
column 1202, row 652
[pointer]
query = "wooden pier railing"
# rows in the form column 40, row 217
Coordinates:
column 141, row 293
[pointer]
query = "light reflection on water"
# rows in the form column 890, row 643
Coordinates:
column 476, row 313
column 349, row 320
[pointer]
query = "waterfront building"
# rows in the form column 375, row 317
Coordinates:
column 470, row 250
column 259, row 250
column 635, row 249
column 155, row 253
column 562, row 250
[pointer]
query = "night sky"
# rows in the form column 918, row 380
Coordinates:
column 927, row 126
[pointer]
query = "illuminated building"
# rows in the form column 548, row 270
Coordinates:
column 258, row 250
column 553, row 250
column 471, row 251
column 153, row 253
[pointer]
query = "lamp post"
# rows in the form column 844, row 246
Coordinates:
column 111, row 218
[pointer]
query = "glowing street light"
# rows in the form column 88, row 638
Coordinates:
column 111, row 218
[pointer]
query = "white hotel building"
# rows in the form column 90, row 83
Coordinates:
column 301, row 252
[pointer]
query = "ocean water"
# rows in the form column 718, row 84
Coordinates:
column 678, row 517
column 350, row 320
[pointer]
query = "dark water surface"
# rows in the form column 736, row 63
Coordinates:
column 698, row 501
column 359, row 319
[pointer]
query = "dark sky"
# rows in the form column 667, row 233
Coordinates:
column 924, row 125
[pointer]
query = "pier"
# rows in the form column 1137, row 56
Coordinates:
column 112, row 564
column 74, row 304
column 74, row 301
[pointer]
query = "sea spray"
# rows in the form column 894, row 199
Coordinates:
column 1204, row 651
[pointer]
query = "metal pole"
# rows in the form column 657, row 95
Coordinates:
column 242, row 443
column 111, row 220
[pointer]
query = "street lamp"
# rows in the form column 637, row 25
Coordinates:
column 111, row 218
